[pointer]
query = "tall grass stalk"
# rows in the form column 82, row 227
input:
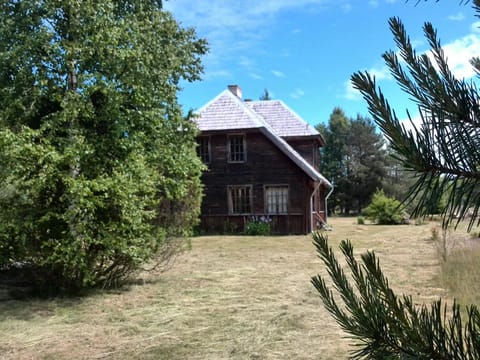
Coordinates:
column 460, row 274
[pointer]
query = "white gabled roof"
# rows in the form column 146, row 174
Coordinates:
column 284, row 121
column 227, row 112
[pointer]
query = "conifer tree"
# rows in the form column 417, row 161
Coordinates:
column 444, row 152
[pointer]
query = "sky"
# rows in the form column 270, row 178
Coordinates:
column 304, row 51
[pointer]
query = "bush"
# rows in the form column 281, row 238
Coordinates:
column 258, row 226
column 384, row 210
column 361, row 220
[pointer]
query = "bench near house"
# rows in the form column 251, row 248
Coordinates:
column 262, row 160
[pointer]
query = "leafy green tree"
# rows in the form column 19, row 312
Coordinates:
column 444, row 151
column 96, row 157
column 353, row 159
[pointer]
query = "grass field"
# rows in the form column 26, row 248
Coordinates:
column 229, row 297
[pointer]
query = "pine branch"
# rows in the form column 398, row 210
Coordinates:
column 384, row 325
column 441, row 149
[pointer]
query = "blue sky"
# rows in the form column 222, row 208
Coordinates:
column 304, row 51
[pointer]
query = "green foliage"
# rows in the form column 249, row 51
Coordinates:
column 397, row 180
column 230, row 228
column 444, row 152
column 384, row 325
column 444, row 149
column 384, row 210
column 258, row 226
column 97, row 162
column 332, row 154
column 360, row 220
column 265, row 95
column 353, row 158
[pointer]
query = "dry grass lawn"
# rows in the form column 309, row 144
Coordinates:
column 229, row 297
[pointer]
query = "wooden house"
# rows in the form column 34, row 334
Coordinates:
column 262, row 161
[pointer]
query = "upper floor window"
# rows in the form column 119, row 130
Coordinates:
column 237, row 148
column 240, row 199
column 276, row 199
column 203, row 149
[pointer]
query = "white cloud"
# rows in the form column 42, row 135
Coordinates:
column 457, row 17
column 381, row 73
column 246, row 62
column 297, row 93
column 415, row 122
column 232, row 27
column 350, row 93
column 278, row 73
column 255, row 76
column 475, row 27
column 459, row 53
column 245, row 16
column 216, row 74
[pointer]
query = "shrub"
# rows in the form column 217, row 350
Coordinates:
column 384, row 210
column 360, row 220
column 258, row 226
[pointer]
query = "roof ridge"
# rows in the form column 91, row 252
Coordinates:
column 297, row 116
column 243, row 111
column 270, row 109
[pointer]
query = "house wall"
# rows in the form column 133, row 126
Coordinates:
column 265, row 165
column 308, row 148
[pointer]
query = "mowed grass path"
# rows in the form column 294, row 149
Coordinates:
column 229, row 297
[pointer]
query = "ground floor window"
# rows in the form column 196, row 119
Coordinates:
column 240, row 199
column 276, row 199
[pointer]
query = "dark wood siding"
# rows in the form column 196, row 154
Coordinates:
column 265, row 165
column 308, row 148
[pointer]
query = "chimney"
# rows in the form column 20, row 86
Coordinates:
column 236, row 90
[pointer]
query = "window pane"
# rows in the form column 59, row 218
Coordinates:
column 276, row 199
column 240, row 199
column 236, row 148
column 203, row 149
